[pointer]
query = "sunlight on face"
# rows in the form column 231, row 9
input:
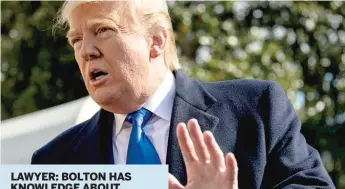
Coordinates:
column 113, row 55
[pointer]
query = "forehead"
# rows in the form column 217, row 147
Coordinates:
column 96, row 12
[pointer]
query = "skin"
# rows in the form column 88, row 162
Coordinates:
column 134, row 62
column 135, row 65
column 205, row 163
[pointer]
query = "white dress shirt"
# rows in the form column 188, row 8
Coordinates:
column 157, row 128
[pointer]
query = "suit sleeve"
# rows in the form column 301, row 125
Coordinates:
column 48, row 154
column 291, row 162
column 42, row 156
column 34, row 159
column 38, row 157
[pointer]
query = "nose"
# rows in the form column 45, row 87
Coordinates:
column 89, row 49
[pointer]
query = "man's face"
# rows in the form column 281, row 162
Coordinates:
column 113, row 58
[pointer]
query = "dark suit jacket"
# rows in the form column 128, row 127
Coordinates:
column 253, row 119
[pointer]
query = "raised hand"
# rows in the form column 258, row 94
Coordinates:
column 205, row 163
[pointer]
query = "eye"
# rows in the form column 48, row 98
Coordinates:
column 74, row 41
column 103, row 29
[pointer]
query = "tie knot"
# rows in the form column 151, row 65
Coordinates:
column 139, row 118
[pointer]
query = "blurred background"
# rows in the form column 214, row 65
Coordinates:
column 301, row 45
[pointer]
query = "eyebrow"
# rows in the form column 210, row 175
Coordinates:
column 70, row 33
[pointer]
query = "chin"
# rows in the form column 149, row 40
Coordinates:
column 104, row 99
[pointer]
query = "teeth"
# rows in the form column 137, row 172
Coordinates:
column 97, row 75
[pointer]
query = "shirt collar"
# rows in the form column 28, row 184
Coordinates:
column 160, row 103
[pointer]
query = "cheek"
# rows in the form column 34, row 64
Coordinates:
column 128, row 59
column 81, row 64
column 122, row 57
column 137, row 53
column 136, row 64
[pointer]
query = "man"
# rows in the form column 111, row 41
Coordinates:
column 126, row 54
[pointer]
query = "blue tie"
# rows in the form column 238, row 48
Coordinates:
column 140, row 148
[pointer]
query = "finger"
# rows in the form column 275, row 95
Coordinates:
column 231, row 167
column 216, row 154
column 186, row 144
column 174, row 183
column 198, row 141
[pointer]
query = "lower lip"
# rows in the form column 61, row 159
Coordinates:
column 99, row 80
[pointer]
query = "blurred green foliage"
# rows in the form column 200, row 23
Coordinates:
column 299, row 44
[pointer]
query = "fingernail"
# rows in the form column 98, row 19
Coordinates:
column 209, row 137
column 182, row 124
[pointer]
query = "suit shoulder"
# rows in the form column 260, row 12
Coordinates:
column 241, row 84
column 241, row 89
column 53, row 150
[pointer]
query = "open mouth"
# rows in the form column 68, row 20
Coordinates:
column 97, row 75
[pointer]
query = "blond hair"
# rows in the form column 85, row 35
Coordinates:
column 150, row 13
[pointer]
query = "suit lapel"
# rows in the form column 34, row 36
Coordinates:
column 95, row 142
column 191, row 101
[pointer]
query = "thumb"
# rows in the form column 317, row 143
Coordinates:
column 174, row 183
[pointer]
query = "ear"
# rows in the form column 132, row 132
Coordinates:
column 159, row 39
